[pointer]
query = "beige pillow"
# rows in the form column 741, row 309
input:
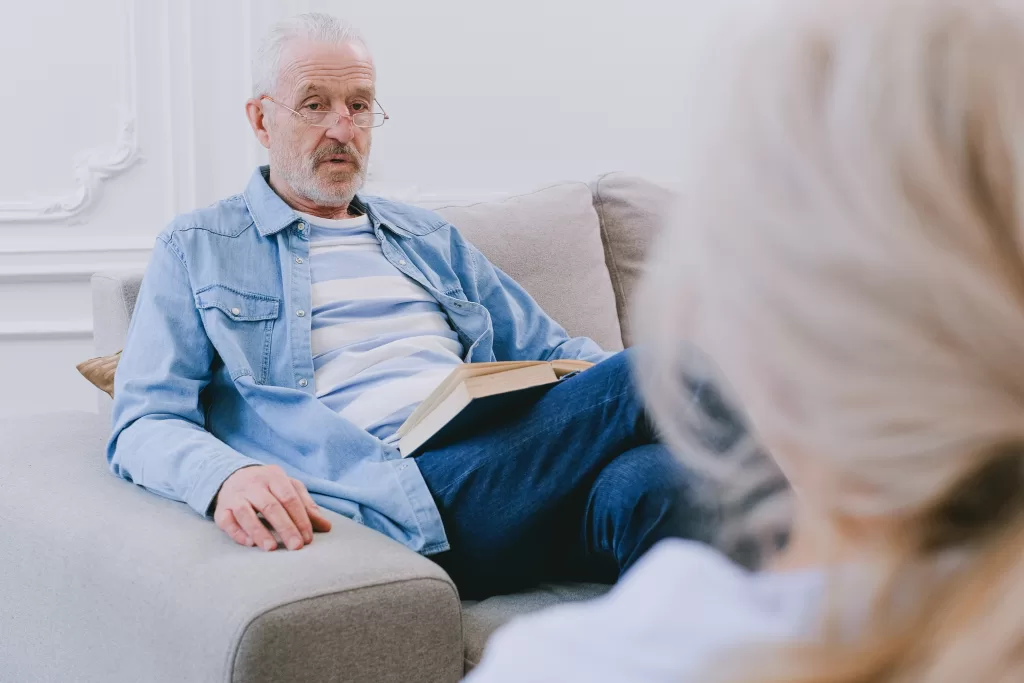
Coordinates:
column 549, row 241
column 632, row 211
column 100, row 371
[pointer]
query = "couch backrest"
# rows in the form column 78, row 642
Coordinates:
column 549, row 241
column 631, row 211
column 578, row 249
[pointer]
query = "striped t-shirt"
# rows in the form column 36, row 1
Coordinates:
column 381, row 343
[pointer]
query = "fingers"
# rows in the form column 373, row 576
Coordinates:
column 247, row 519
column 276, row 515
column 307, row 500
column 284, row 490
column 320, row 522
column 225, row 519
column 316, row 515
column 283, row 502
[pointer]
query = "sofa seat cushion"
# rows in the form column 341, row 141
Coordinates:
column 481, row 619
column 549, row 242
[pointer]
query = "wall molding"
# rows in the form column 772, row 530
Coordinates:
column 93, row 167
column 35, row 266
column 71, row 272
column 118, row 246
column 46, row 330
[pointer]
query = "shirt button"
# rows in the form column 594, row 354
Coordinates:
column 401, row 262
column 301, row 313
column 298, row 259
column 301, row 227
column 303, row 382
column 236, row 311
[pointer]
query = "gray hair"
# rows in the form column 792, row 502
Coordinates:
column 314, row 27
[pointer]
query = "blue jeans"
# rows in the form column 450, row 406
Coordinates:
column 571, row 486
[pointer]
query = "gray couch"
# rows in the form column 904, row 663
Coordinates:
column 106, row 582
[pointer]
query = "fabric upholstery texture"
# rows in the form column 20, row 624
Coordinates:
column 113, row 300
column 481, row 619
column 106, row 582
column 549, row 242
column 631, row 211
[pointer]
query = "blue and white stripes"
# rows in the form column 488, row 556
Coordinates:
column 381, row 343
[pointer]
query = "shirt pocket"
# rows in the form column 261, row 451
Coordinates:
column 241, row 326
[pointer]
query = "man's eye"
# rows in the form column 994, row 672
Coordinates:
column 360, row 106
column 313, row 106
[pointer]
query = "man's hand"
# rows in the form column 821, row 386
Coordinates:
column 284, row 503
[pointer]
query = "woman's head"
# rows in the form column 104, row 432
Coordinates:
column 849, row 249
column 849, row 243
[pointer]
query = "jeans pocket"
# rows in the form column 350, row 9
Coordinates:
column 241, row 326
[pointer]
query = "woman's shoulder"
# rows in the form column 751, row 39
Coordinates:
column 680, row 607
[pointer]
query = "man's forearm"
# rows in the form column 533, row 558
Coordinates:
column 174, row 458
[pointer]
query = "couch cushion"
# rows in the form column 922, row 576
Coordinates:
column 100, row 372
column 106, row 582
column 631, row 211
column 481, row 619
column 550, row 243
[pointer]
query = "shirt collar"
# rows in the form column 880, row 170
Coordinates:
column 269, row 212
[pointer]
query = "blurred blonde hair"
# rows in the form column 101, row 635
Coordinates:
column 848, row 247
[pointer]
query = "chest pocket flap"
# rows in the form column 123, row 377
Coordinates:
column 241, row 327
column 238, row 305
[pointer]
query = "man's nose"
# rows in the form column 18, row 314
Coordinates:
column 343, row 131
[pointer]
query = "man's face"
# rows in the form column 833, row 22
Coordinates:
column 320, row 166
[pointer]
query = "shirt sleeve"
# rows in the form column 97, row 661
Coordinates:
column 159, row 440
column 522, row 330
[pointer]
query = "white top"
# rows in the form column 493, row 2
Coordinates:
column 381, row 343
column 680, row 610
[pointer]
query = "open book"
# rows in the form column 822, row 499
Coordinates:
column 475, row 392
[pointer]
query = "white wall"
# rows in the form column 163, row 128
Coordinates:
column 117, row 114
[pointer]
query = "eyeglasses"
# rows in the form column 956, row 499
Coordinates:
column 326, row 118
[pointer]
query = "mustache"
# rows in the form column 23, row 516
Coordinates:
column 328, row 151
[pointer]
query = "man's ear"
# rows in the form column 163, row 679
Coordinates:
column 257, row 119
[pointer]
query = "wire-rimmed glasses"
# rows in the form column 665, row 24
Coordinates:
column 328, row 118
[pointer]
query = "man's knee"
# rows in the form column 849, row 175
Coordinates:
column 644, row 470
column 615, row 378
column 650, row 482
column 620, row 365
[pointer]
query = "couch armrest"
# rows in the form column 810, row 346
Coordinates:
column 113, row 300
column 104, row 581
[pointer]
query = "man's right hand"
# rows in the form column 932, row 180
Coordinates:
column 284, row 503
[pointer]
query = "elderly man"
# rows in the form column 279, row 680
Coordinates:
column 282, row 335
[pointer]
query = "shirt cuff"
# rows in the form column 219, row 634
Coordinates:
column 211, row 477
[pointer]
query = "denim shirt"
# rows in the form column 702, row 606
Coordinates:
column 217, row 372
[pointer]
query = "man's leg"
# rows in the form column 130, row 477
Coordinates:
column 638, row 499
column 514, row 495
